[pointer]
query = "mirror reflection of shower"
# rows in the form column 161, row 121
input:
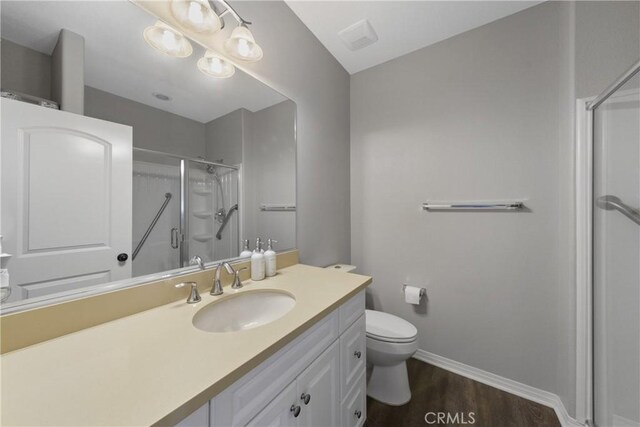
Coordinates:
column 199, row 219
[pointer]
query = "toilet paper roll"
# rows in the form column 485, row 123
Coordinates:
column 412, row 295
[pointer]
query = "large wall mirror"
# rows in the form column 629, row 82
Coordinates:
column 119, row 163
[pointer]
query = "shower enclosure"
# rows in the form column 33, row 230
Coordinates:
column 182, row 207
column 616, row 253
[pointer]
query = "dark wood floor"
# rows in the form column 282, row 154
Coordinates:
column 436, row 390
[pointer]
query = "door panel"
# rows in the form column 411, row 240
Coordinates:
column 278, row 413
column 66, row 199
column 616, row 255
column 321, row 381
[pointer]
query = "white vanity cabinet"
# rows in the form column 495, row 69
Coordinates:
column 317, row 380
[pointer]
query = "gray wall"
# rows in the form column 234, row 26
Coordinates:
column 607, row 43
column 153, row 129
column 269, row 173
column 296, row 64
column 25, row 70
column 479, row 116
column 264, row 142
column 224, row 137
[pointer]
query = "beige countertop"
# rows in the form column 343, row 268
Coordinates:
column 155, row 367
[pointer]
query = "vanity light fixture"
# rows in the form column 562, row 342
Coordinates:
column 214, row 65
column 196, row 15
column 162, row 37
column 241, row 44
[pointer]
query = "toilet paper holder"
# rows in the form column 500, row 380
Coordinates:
column 423, row 291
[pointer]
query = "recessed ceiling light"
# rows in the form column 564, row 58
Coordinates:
column 161, row 96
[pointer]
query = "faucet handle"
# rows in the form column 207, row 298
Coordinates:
column 237, row 283
column 194, row 296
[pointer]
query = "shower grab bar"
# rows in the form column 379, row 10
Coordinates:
column 277, row 208
column 153, row 224
column 225, row 220
column 609, row 202
column 451, row 206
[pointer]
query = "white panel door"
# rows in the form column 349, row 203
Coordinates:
column 319, row 390
column 66, row 199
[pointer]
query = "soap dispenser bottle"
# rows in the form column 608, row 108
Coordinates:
column 246, row 252
column 270, row 258
column 257, row 262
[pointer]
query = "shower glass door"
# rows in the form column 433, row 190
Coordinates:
column 156, row 212
column 210, row 222
column 616, row 258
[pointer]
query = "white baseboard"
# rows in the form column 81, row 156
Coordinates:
column 619, row 421
column 525, row 391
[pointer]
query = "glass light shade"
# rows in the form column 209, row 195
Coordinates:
column 196, row 15
column 214, row 65
column 242, row 45
column 162, row 37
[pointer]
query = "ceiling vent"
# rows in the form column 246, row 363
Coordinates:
column 359, row 35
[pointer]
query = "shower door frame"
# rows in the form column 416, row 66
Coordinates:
column 585, row 110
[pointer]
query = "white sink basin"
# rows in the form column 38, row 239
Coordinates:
column 242, row 311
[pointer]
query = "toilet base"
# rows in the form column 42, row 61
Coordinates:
column 390, row 384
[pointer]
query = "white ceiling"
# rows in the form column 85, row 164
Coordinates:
column 118, row 60
column 402, row 26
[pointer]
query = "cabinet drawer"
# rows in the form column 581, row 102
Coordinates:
column 354, row 408
column 351, row 310
column 249, row 395
column 353, row 350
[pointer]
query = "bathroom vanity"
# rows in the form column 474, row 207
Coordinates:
column 316, row 380
column 157, row 368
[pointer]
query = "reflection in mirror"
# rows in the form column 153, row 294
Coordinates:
column 120, row 162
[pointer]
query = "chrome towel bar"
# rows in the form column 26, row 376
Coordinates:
column 451, row 206
column 277, row 208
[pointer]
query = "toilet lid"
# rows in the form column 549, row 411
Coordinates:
column 387, row 327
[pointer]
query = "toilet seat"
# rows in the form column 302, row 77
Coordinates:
column 386, row 327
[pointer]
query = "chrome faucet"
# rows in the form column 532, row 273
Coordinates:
column 217, row 286
column 196, row 260
column 194, row 296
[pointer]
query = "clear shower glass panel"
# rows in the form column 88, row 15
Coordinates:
column 156, row 183
column 212, row 211
column 616, row 274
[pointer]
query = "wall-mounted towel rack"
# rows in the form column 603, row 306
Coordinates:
column 278, row 208
column 451, row 206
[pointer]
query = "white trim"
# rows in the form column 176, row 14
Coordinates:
column 619, row 421
column 510, row 386
column 584, row 259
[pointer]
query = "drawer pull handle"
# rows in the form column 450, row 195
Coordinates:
column 357, row 354
column 296, row 410
column 306, row 398
column 358, row 414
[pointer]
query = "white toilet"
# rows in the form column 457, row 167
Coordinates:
column 390, row 342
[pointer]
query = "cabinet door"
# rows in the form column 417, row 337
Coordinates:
column 354, row 408
column 318, row 391
column 353, row 349
column 199, row 418
column 283, row 411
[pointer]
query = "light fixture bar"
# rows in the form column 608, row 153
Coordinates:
column 229, row 9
